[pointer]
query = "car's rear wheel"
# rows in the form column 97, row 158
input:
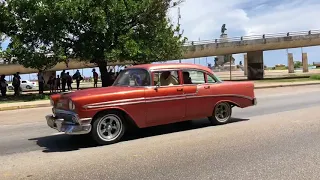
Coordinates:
column 108, row 128
column 28, row 87
column 221, row 113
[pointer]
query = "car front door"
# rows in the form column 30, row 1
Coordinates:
column 199, row 99
column 165, row 101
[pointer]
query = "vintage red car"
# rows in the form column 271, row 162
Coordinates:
column 148, row 95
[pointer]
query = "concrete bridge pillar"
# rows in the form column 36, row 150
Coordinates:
column 245, row 64
column 290, row 63
column 305, row 62
column 255, row 66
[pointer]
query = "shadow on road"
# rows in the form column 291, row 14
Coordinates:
column 63, row 143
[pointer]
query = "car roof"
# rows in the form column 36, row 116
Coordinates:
column 171, row 66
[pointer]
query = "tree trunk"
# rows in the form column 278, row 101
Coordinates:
column 105, row 76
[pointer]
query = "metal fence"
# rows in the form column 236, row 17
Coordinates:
column 252, row 37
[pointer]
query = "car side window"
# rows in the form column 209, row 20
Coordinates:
column 193, row 77
column 166, row 78
column 210, row 79
column 23, row 81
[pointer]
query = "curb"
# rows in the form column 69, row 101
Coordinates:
column 24, row 107
column 287, row 85
column 48, row 104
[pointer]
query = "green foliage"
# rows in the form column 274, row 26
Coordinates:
column 25, row 98
column 297, row 64
column 99, row 31
column 315, row 77
column 35, row 33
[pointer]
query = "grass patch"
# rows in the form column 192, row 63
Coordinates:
column 24, row 98
column 315, row 77
column 287, row 80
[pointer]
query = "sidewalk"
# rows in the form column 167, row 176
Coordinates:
column 46, row 103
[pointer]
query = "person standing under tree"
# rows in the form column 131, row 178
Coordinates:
column 77, row 76
column 3, row 86
column 41, row 82
column 69, row 81
column 57, row 83
column 63, row 77
column 95, row 78
column 16, row 83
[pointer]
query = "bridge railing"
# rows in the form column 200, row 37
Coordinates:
column 252, row 37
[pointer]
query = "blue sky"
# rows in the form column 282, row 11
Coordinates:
column 203, row 19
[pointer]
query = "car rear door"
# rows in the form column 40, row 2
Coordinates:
column 199, row 98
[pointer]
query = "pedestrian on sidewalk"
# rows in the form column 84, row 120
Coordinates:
column 95, row 78
column 63, row 77
column 77, row 76
column 16, row 83
column 69, row 81
column 3, row 86
column 51, row 83
column 57, row 84
column 41, row 82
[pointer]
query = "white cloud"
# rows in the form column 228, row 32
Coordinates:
column 203, row 18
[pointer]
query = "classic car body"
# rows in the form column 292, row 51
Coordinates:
column 141, row 97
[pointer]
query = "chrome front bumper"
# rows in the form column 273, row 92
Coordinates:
column 82, row 126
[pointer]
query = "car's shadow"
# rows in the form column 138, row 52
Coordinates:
column 63, row 143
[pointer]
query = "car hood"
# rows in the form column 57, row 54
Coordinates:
column 99, row 91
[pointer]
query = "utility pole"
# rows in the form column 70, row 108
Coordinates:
column 179, row 17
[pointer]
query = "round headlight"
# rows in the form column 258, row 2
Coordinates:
column 71, row 105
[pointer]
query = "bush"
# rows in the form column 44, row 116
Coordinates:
column 315, row 76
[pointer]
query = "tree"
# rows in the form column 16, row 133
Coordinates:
column 35, row 40
column 297, row 64
column 99, row 31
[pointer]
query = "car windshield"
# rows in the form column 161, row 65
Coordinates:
column 133, row 77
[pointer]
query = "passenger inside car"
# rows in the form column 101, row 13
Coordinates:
column 166, row 79
column 186, row 78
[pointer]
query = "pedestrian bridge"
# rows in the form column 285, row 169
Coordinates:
column 196, row 49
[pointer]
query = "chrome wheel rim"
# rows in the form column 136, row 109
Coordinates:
column 222, row 112
column 109, row 127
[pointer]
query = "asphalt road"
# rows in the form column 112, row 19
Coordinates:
column 277, row 139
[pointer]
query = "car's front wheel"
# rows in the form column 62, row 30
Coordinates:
column 108, row 128
column 221, row 113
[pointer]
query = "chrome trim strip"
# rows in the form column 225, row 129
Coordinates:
column 221, row 95
column 112, row 105
column 159, row 99
column 162, row 97
column 116, row 101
